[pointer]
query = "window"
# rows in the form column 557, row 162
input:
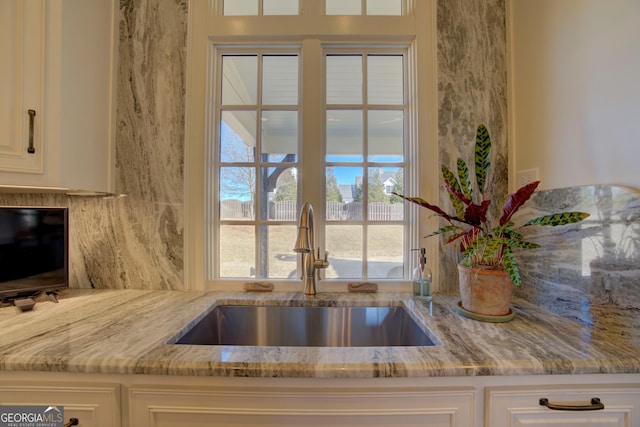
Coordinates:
column 256, row 159
column 329, row 118
column 365, row 161
column 290, row 7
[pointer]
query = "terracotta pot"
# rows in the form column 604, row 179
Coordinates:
column 485, row 291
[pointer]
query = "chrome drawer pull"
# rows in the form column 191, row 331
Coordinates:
column 32, row 116
column 594, row 406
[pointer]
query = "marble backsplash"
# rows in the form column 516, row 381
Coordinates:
column 594, row 262
column 472, row 90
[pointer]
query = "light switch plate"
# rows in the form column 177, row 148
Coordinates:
column 527, row 176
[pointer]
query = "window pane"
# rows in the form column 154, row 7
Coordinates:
column 239, row 80
column 343, row 7
column 240, row 7
column 237, row 192
column 385, row 79
column 344, row 79
column 279, row 7
column 384, row 7
column 237, row 136
column 281, row 190
column 281, row 258
column 344, row 243
column 279, row 135
column 237, row 251
column 344, row 135
column 382, row 181
column 386, row 136
column 384, row 254
column 344, row 193
column 280, row 80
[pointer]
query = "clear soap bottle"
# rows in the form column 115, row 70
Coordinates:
column 422, row 278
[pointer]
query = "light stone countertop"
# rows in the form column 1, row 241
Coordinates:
column 124, row 331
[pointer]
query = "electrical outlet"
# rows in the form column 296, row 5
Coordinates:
column 527, row 176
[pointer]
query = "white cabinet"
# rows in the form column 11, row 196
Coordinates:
column 521, row 406
column 58, row 75
column 114, row 400
column 94, row 405
column 310, row 405
column 21, row 84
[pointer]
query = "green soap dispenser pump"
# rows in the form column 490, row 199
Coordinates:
column 422, row 278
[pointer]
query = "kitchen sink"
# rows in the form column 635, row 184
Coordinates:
column 353, row 326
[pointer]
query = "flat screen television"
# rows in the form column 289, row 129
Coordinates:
column 33, row 251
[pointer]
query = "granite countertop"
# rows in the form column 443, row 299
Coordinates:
column 124, row 331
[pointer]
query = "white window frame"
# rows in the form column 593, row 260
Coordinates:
column 207, row 28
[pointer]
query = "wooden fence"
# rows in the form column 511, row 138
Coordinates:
column 336, row 211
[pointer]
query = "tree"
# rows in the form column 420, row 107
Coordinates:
column 398, row 187
column 333, row 190
column 287, row 186
column 376, row 187
column 236, row 182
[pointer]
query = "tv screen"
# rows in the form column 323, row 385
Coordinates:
column 33, row 250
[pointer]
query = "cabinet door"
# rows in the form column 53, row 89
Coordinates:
column 93, row 406
column 516, row 407
column 193, row 407
column 57, row 80
column 21, row 85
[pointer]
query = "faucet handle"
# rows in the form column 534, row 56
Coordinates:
column 325, row 261
column 320, row 263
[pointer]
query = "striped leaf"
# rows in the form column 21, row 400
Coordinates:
column 455, row 194
column 511, row 234
column 556, row 219
column 421, row 202
column 492, row 247
column 474, row 246
column 446, row 229
column 482, row 151
column 522, row 244
column 512, row 267
column 465, row 183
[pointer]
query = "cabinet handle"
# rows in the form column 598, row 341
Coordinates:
column 72, row 422
column 32, row 117
column 593, row 406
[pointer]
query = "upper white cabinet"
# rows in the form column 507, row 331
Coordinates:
column 57, row 81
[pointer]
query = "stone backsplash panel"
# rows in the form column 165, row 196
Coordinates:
column 594, row 262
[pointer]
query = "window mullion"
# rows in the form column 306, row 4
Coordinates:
column 260, row 230
column 365, row 162
column 312, row 164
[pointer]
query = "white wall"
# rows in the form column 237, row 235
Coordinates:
column 575, row 91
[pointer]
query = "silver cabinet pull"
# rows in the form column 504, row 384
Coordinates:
column 595, row 405
column 32, row 117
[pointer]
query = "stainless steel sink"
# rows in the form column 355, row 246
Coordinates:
column 245, row 325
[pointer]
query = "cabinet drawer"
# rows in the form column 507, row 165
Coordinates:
column 93, row 405
column 154, row 406
column 521, row 406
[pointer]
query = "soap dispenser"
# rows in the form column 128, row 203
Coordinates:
column 422, row 278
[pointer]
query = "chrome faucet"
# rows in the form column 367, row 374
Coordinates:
column 305, row 244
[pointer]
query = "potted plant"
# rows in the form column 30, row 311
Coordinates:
column 488, row 269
